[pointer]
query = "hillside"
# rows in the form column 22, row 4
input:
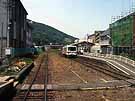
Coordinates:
column 44, row 34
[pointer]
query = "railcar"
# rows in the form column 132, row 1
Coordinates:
column 69, row 50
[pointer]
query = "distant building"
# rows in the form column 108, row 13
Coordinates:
column 97, row 36
column 15, row 32
column 105, row 42
column 84, row 46
column 96, row 48
column 123, row 35
column 91, row 38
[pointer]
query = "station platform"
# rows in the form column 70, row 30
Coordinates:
column 123, row 67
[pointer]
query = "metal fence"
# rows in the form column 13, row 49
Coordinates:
column 114, row 57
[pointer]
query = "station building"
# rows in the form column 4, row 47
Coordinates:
column 15, row 30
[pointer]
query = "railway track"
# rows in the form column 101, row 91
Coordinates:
column 39, row 78
column 104, row 68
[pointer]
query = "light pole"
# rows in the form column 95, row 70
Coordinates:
column 87, row 43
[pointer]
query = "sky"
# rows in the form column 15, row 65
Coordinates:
column 76, row 17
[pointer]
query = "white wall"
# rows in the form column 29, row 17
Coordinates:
column 96, row 48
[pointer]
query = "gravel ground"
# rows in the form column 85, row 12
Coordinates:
column 67, row 71
column 60, row 72
column 124, row 94
column 40, row 77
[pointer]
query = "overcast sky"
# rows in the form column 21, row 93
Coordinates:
column 76, row 17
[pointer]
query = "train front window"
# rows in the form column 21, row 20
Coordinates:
column 71, row 48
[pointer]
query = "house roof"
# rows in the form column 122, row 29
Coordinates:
column 83, row 42
column 23, row 6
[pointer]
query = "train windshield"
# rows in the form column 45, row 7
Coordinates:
column 71, row 48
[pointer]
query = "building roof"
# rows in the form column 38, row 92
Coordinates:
column 106, row 32
column 91, row 35
column 99, row 32
column 83, row 42
column 23, row 6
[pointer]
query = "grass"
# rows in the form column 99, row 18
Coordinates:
column 27, row 60
column 4, row 72
column 55, row 50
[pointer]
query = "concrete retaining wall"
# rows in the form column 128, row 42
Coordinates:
column 24, row 73
column 6, row 91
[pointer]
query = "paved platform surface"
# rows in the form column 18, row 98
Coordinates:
column 123, row 67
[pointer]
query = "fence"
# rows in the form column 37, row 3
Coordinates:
column 114, row 57
column 21, row 51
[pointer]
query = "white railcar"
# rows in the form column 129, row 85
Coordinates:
column 69, row 50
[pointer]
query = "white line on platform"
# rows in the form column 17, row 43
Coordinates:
column 104, row 80
column 101, row 88
column 124, row 67
column 79, row 76
column 118, row 68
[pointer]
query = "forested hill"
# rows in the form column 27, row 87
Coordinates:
column 44, row 34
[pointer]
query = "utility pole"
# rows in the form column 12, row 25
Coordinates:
column 87, row 42
column 7, row 33
column 1, row 39
column 3, row 15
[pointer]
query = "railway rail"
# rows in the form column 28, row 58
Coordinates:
column 104, row 68
column 40, row 78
